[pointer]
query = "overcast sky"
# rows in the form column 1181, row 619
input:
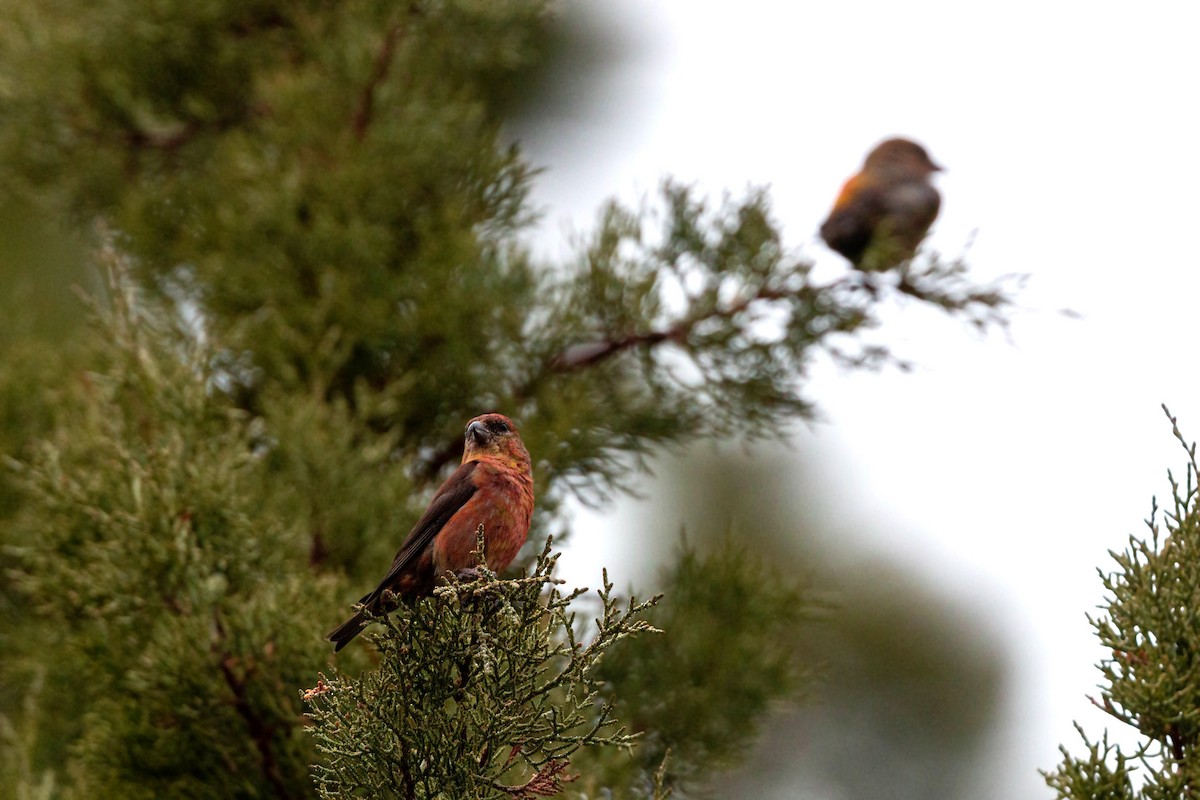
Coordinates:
column 1006, row 467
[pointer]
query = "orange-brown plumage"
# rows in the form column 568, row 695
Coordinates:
column 493, row 487
column 884, row 211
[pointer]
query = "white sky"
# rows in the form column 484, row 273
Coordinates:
column 1071, row 132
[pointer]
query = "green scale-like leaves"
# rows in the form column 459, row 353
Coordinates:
column 482, row 691
column 1149, row 626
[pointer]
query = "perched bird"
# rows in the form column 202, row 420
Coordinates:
column 493, row 487
column 883, row 212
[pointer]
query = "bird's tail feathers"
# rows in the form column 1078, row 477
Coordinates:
column 342, row 635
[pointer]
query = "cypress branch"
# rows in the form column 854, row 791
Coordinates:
column 482, row 690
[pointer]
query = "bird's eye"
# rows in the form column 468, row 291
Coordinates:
column 499, row 426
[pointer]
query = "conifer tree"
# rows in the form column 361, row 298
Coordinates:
column 1151, row 680
column 311, row 232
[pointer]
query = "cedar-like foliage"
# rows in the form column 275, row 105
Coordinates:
column 481, row 691
column 312, row 231
column 1151, row 681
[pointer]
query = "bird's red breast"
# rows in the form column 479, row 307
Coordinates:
column 493, row 487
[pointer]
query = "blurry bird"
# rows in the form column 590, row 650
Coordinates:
column 493, row 487
column 883, row 212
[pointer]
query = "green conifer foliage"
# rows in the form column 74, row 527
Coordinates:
column 327, row 185
column 311, row 228
column 146, row 562
column 483, row 691
column 1151, row 680
column 731, row 649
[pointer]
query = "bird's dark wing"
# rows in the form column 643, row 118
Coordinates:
column 454, row 494
column 851, row 223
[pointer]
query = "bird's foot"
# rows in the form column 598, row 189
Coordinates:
column 468, row 575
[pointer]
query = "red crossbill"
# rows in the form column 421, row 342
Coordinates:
column 494, row 488
column 883, row 212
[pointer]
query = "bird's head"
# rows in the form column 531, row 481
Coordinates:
column 903, row 155
column 494, row 435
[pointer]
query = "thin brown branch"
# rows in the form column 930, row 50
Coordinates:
column 589, row 354
column 261, row 732
column 547, row 782
column 581, row 356
column 586, row 355
column 364, row 111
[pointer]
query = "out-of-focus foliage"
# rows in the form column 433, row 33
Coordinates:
column 732, row 648
column 311, row 231
column 909, row 680
column 42, row 351
column 323, row 181
column 148, row 564
column 1151, row 681
column 325, row 186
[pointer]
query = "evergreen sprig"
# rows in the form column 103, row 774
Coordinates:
column 1150, row 624
column 142, row 556
column 482, row 691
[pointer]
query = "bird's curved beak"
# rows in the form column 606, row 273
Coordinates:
column 477, row 432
